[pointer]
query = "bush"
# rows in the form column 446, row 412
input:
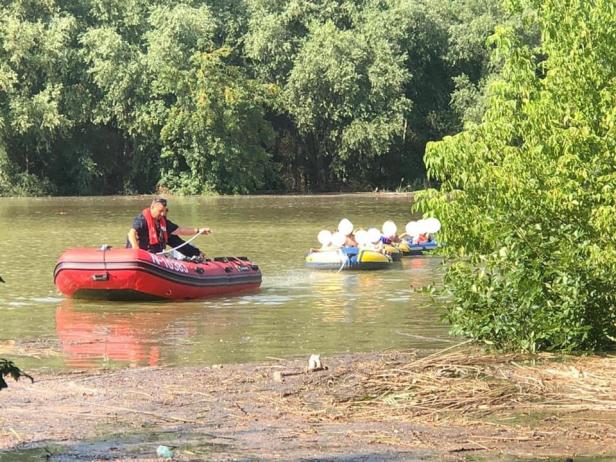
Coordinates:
column 528, row 196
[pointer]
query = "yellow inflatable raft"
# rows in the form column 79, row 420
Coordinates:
column 348, row 258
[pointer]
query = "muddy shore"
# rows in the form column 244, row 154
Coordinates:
column 279, row 411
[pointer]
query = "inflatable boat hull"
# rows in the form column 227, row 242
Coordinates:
column 408, row 248
column 348, row 258
column 134, row 274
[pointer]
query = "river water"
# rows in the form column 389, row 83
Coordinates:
column 296, row 313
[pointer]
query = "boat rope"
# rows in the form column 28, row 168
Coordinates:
column 104, row 248
column 344, row 257
column 182, row 244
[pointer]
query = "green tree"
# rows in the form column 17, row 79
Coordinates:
column 527, row 196
column 91, row 90
column 215, row 136
column 189, row 115
column 35, row 83
column 342, row 82
column 346, row 94
column 364, row 85
column 122, row 108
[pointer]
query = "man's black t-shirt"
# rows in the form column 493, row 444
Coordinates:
column 141, row 226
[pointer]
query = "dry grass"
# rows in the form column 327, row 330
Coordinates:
column 468, row 382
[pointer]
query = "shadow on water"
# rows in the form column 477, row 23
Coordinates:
column 376, row 457
column 184, row 445
column 190, row 446
column 506, row 458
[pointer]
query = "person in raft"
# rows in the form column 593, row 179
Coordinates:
column 153, row 231
column 350, row 241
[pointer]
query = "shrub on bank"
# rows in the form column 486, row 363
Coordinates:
column 528, row 196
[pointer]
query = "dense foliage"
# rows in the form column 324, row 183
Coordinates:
column 528, row 195
column 106, row 96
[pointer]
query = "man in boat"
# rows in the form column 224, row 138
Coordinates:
column 350, row 241
column 153, row 231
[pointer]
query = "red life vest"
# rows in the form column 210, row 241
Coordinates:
column 153, row 230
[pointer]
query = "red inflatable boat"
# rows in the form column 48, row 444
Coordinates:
column 134, row 274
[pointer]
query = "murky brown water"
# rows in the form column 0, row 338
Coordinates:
column 297, row 312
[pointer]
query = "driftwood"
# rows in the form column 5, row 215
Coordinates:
column 314, row 365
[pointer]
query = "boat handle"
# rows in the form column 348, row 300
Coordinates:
column 100, row 277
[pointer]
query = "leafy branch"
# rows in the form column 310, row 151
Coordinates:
column 8, row 368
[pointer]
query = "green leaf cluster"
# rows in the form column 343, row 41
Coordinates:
column 109, row 96
column 527, row 196
column 9, row 369
column 214, row 138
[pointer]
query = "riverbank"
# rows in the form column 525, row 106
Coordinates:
column 452, row 405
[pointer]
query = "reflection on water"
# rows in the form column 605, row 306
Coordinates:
column 90, row 337
column 296, row 313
